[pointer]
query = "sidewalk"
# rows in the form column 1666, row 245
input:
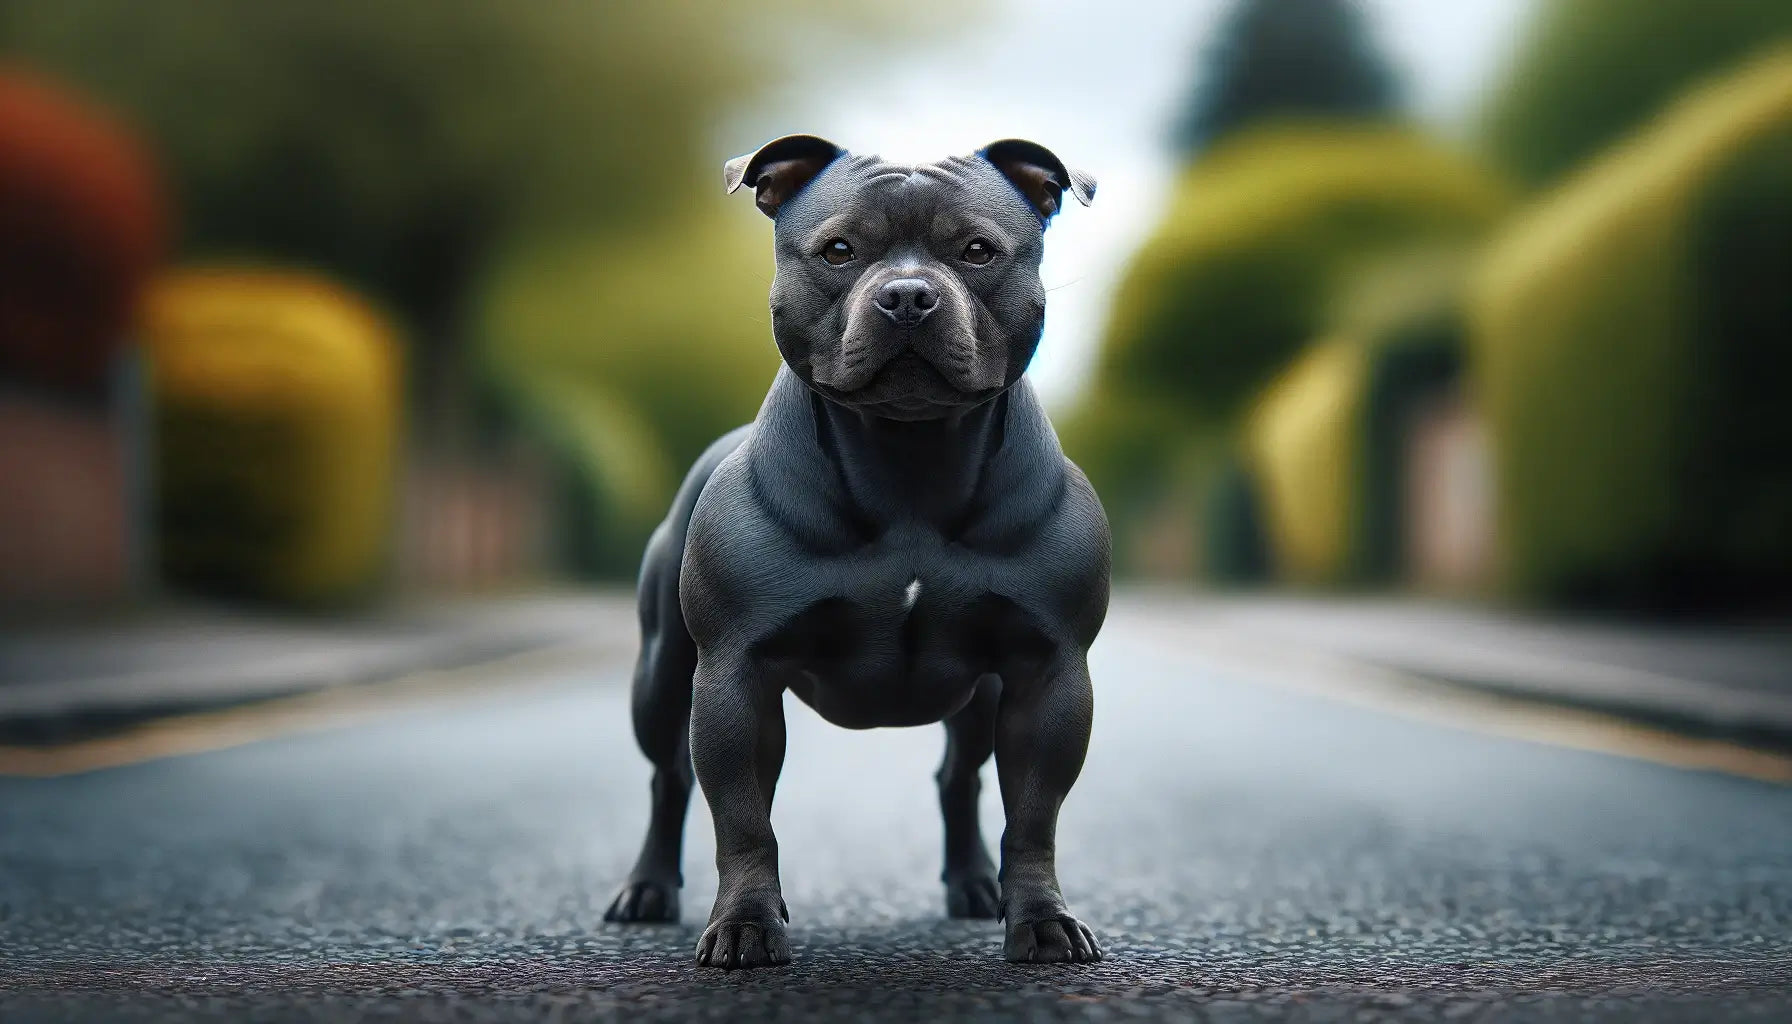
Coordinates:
column 1727, row 682
column 76, row 679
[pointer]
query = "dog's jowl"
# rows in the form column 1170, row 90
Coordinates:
column 897, row 539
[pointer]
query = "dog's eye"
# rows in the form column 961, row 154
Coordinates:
column 837, row 252
column 979, row 252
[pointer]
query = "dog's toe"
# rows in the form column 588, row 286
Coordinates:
column 1061, row 939
column 735, row 944
column 644, row 902
column 976, row 897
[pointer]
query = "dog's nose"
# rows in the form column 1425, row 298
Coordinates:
column 908, row 300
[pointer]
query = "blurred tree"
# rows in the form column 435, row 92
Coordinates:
column 622, row 370
column 398, row 143
column 1260, row 240
column 533, row 187
column 1286, row 59
column 1256, row 244
column 1593, row 70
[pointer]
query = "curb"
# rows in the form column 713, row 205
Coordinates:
column 50, row 712
column 1703, row 710
column 1745, row 715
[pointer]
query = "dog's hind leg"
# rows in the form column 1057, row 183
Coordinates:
column 970, row 875
column 661, row 701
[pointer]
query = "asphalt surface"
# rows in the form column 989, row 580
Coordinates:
column 1245, row 851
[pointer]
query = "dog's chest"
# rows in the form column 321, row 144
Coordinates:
column 900, row 636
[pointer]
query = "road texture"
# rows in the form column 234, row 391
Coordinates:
column 1246, row 850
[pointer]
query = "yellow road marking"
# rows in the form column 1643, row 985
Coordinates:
column 1575, row 728
column 1404, row 695
column 206, row 731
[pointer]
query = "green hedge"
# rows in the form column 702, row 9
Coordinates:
column 633, row 355
column 1630, row 340
column 1592, row 71
column 1259, row 240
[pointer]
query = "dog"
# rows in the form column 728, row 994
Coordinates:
column 897, row 539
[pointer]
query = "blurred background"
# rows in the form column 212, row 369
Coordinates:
column 1432, row 359
column 315, row 305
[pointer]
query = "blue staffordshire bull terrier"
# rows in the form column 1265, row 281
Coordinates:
column 897, row 539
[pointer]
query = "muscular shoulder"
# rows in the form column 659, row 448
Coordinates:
column 1052, row 529
column 1031, row 488
column 744, row 566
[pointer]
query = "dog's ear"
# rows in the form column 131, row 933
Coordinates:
column 1039, row 174
column 779, row 169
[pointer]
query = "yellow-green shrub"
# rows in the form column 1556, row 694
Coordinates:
column 1262, row 238
column 634, row 354
column 1258, row 240
column 277, row 411
column 1630, row 338
column 1302, row 441
column 1325, row 444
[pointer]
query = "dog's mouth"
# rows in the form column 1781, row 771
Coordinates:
column 908, row 387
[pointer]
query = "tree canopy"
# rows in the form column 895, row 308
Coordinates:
column 1592, row 71
column 1276, row 59
column 397, row 143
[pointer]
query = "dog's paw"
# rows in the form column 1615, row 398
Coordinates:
column 729, row 944
column 977, row 896
column 1056, row 940
column 644, row 902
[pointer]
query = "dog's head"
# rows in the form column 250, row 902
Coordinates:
column 907, row 291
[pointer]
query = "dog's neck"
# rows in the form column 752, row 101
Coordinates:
column 922, row 470
column 836, row 480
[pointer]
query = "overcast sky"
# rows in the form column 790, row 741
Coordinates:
column 1098, row 83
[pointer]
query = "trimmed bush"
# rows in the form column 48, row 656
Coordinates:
column 1327, row 440
column 1260, row 239
column 616, row 357
column 277, row 405
column 1304, row 442
column 1630, row 336
column 1592, row 71
column 84, row 225
column 1264, row 238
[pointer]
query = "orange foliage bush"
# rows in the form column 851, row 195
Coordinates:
column 82, row 223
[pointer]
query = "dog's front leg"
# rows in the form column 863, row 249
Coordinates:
column 1042, row 733
column 737, row 749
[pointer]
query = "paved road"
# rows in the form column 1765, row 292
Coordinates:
column 1247, row 851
